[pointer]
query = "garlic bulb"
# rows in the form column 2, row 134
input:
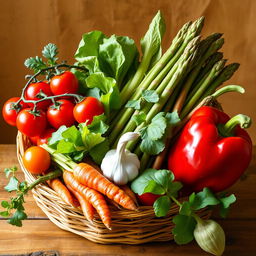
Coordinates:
column 210, row 236
column 120, row 165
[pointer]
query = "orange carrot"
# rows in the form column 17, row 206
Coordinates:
column 89, row 176
column 86, row 207
column 130, row 193
column 94, row 197
column 63, row 192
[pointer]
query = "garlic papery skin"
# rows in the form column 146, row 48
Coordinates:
column 210, row 236
column 120, row 165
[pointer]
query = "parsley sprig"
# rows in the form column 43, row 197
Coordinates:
column 14, row 209
column 161, row 182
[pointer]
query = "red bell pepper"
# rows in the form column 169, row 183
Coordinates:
column 212, row 150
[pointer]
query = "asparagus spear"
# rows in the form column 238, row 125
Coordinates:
column 217, row 68
column 166, row 87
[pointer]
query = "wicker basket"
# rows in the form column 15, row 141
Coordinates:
column 128, row 227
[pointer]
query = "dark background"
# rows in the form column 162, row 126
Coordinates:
column 27, row 25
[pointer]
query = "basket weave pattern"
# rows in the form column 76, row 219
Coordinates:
column 128, row 227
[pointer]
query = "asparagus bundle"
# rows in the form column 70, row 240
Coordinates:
column 190, row 70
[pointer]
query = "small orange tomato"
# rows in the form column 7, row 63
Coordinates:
column 36, row 160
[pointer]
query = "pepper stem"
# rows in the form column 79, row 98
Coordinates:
column 227, row 129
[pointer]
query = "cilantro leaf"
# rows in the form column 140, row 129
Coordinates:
column 139, row 118
column 35, row 63
column 5, row 214
column 150, row 96
column 185, row 209
column 138, row 185
column 50, row 52
column 161, row 206
column 225, row 203
column 184, row 228
column 98, row 124
column 5, row 204
column 152, row 147
column 172, row 118
column 17, row 218
column 202, row 199
column 136, row 104
column 12, row 185
column 173, row 188
column 8, row 171
column 164, row 177
column 57, row 136
column 154, row 188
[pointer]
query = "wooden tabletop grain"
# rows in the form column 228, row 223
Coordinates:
column 38, row 233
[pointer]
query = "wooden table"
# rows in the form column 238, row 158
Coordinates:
column 38, row 233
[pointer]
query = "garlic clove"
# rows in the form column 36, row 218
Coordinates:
column 210, row 237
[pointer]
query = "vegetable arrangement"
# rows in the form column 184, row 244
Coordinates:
column 104, row 121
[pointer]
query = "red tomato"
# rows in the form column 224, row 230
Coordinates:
column 10, row 111
column 87, row 109
column 61, row 114
column 33, row 93
column 31, row 124
column 36, row 160
column 147, row 199
column 64, row 83
column 33, row 140
column 43, row 138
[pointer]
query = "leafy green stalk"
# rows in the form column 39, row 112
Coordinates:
column 161, row 182
column 21, row 189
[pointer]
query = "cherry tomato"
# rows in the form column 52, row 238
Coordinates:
column 33, row 93
column 87, row 109
column 33, row 140
column 43, row 138
column 36, row 160
column 31, row 124
column 10, row 111
column 61, row 113
column 147, row 199
column 64, row 83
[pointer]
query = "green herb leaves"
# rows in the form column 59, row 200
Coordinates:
column 154, row 133
column 50, row 52
column 16, row 203
column 76, row 142
column 161, row 182
column 147, row 96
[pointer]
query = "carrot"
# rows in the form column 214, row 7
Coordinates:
column 86, row 207
column 89, row 176
column 130, row 193
column 63, row 192
column 94, row 197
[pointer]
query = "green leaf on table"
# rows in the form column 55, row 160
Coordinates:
column 225, row 203
column 136, row 104
column 202, row 199
column 150, row 96
column 161, row 206
column 5, row 214
column 139, row 118
column 5, row 204
column 50, row 52
column 9, row 171
column 12, row 185
column 151, row 42
column 35, row 63
column 17, row 218
column 184, row 229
